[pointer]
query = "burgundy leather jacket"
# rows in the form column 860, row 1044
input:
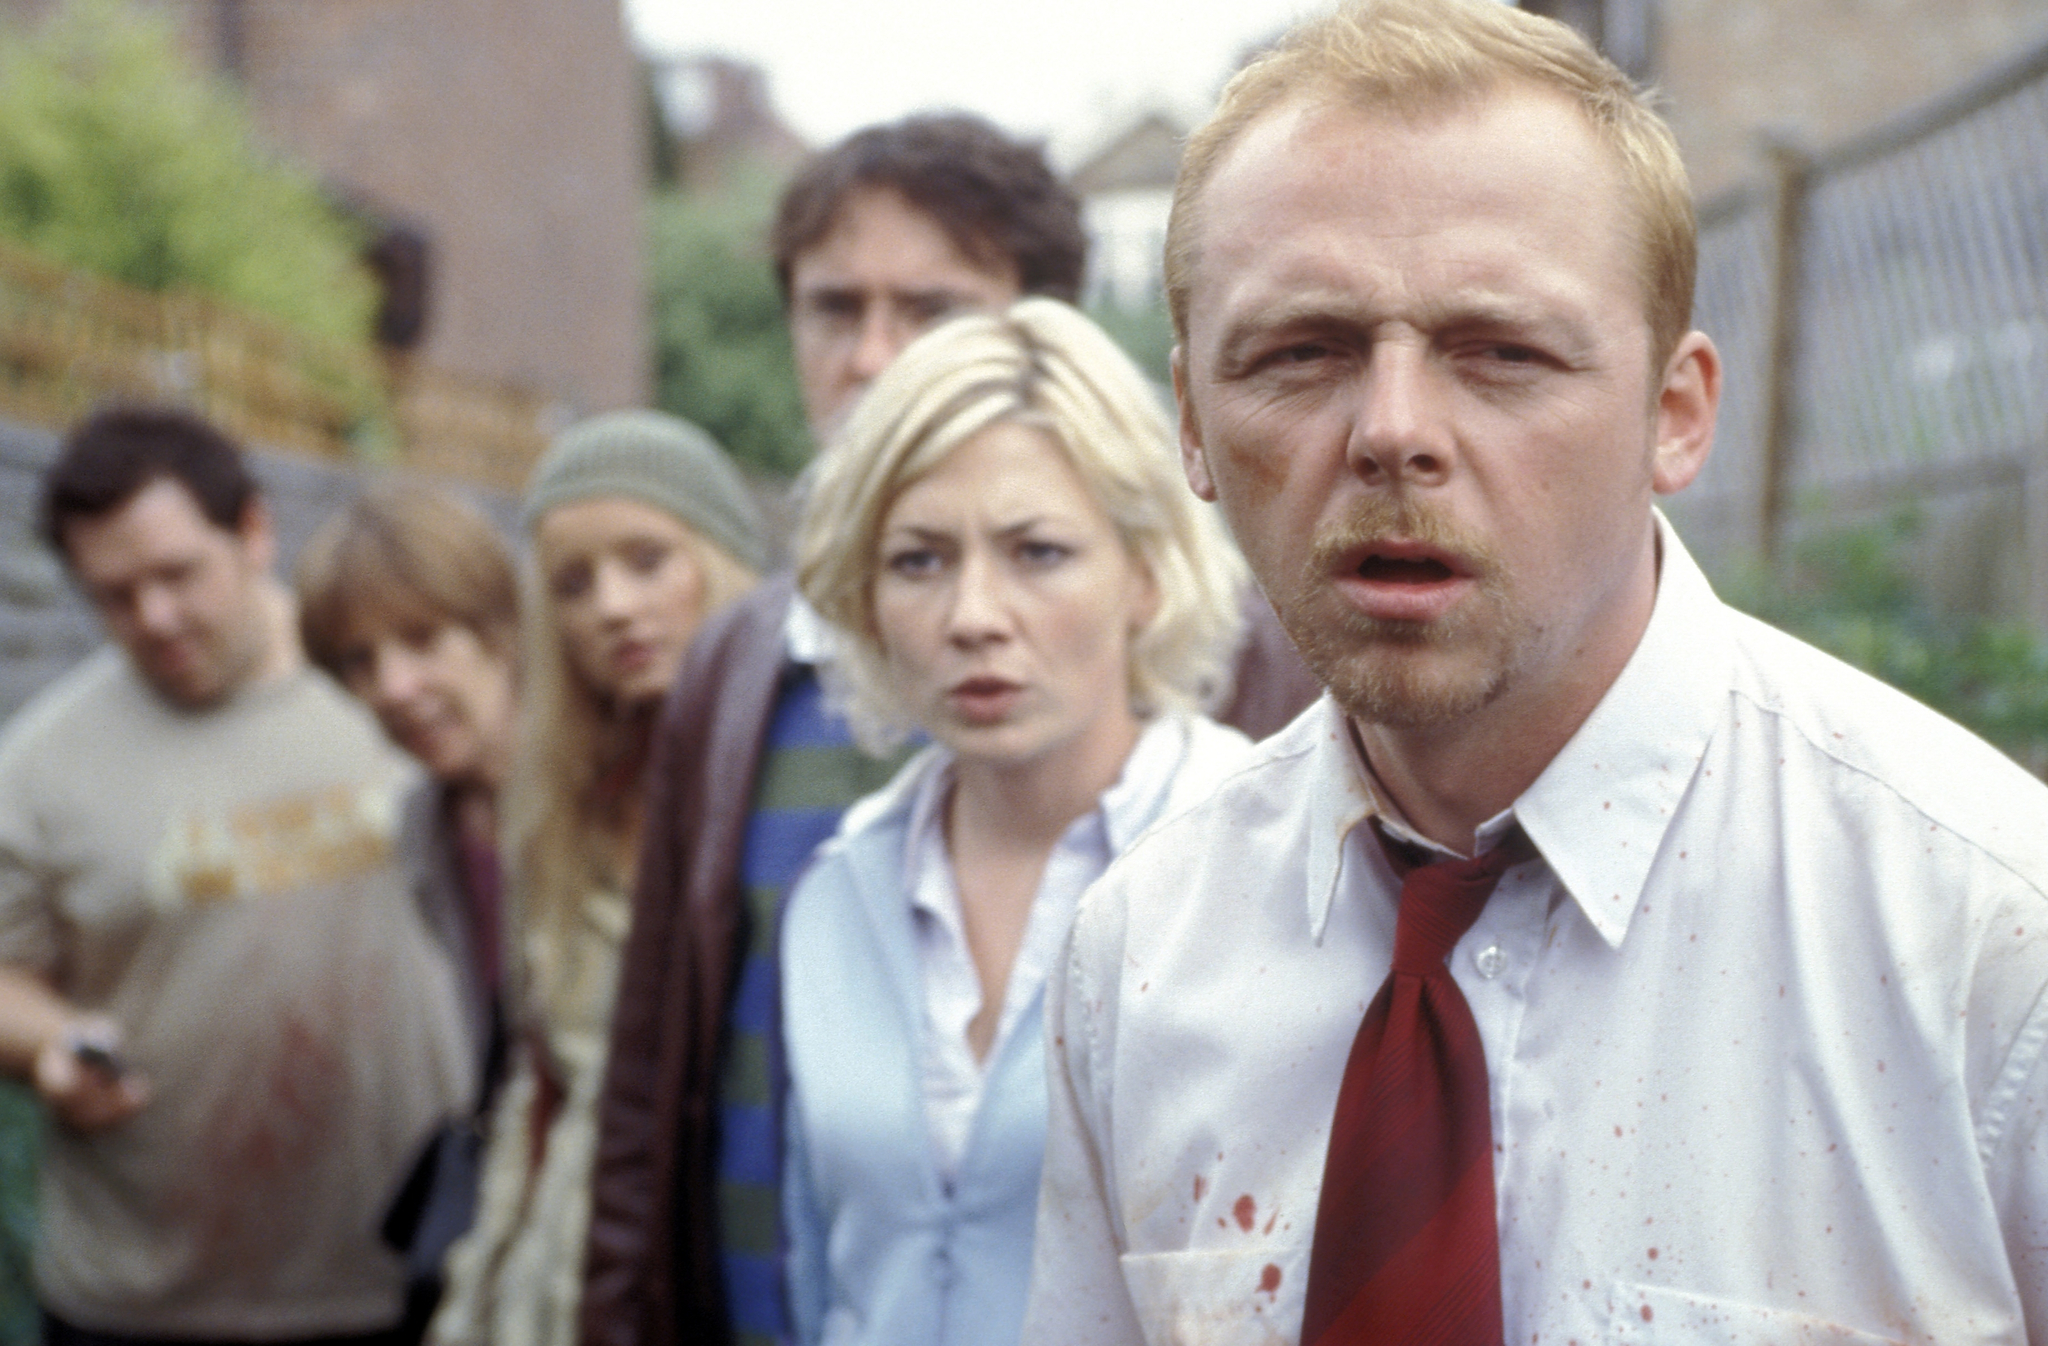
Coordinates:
column 652, row 1275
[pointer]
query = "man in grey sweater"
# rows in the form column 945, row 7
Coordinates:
column 211, row 968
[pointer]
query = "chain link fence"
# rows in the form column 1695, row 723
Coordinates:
column 1882, row 312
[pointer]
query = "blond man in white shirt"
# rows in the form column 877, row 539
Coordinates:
column 1762, row 1015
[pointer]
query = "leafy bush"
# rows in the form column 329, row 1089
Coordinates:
column 117, row 157
column 721, row 347
column 1850, row 591
column 1146, row 334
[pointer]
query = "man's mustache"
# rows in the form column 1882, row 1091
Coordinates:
column 1386, row 518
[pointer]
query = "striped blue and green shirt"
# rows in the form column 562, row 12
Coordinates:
column 810, row 772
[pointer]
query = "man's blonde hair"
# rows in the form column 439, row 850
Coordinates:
column 1041, row 364
column 1417, row 56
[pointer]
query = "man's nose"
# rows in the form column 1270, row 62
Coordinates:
column 156, row 610
column 1400, row 433
column 882, row 334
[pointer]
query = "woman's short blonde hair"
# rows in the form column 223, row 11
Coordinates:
column 1041, row 364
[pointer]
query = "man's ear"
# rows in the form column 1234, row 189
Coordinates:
column 258, row 535
column 1194, row 459
column 1687, row 404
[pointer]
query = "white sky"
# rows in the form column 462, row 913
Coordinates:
column 1074, row 71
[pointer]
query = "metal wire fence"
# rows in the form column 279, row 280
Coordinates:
column 1882, row 311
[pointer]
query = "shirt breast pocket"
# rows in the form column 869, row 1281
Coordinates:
column 1205, row 1298
column 1652, row 1314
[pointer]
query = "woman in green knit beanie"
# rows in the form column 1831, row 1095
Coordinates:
column 640, row 528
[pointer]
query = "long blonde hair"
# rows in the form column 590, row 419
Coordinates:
column 571, row 821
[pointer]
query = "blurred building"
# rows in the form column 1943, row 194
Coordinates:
column 1814, row 70
column 499, row 148
column 1126, row 191
column 1730, row 72
column 721, row 123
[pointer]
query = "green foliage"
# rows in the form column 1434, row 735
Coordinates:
column 1850, row 591
column 721, row 346
column 21, row 1144
column 664, row 147
column 116, row 157
column 1146, row 334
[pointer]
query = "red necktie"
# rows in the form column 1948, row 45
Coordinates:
column 1406, row 1250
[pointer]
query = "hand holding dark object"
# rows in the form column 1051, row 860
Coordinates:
column 82, row 1078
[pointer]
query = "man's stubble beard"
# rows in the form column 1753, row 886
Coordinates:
column 230, row 658
column 1403, row 674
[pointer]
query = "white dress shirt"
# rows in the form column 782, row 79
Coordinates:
column 808, row 638
column 953, row 1076
column 1765, row 1024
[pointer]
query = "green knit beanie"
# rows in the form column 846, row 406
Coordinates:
column 660, row 460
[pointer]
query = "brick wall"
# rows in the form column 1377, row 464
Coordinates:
column 512, row 130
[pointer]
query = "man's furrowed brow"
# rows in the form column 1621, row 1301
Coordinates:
column 829, row 289
column 1299, row 318
column 929, row 296
column 1533, row 316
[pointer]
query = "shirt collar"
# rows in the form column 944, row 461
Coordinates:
column 806, row 636
column 1599, row 811
column 1124, row 810
column 924, row 846
column 1132, row 804
column 1635, row 756
column 1339, row 799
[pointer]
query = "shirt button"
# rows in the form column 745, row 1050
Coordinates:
column 1491, row 961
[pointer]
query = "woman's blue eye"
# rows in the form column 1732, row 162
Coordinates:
column 1043, row 553
column 913, row 562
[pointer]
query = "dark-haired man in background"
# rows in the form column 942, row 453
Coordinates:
column 899, row 226
column 211, row 970
column 878, row 238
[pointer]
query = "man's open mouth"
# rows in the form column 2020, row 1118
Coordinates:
column 1404, row 570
